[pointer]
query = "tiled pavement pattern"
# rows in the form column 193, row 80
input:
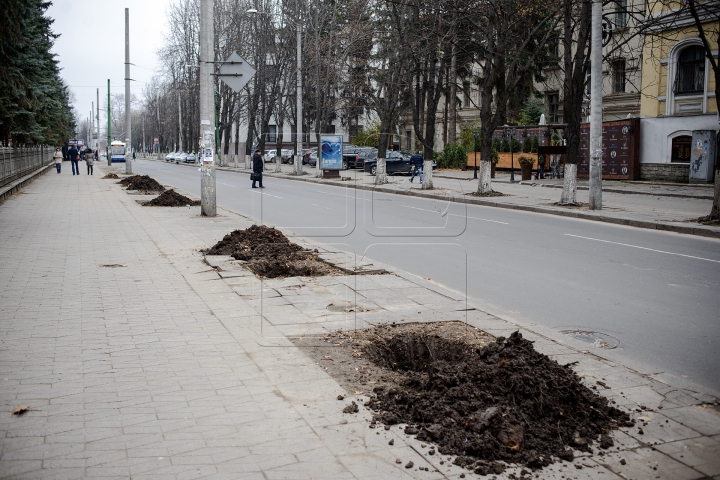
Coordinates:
column 158, row 365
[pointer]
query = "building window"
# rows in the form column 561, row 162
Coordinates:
column 619, row 76
column 691, row 70
column 553, row 107
column 621, row 14
column 408, row 139
column 588, row 87
column 466, row 95
column 681, row 149
column 272, row 133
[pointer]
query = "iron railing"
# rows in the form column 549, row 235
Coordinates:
column 15, row 163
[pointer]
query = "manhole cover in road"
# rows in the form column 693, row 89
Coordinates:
column 601, row 340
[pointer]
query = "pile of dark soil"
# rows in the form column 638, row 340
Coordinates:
column 482, row 400
column 492, row 193
column 269, row 254
column 110, row 176
column 142, row 182
column 170, row 198
column 708, row 220
column 128, row 180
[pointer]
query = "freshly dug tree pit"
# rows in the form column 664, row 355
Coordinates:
column 170, row 198
column 488, row 403
column 142, row 182
column 110, row 176
column 269, row 254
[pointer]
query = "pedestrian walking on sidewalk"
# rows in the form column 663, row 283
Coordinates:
column 417, row 163
column 74, row 158
column 89, row 160
column 58, row 156
column 257, row 163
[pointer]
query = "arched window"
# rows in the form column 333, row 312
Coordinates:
column 681, row 149
column 691, row 70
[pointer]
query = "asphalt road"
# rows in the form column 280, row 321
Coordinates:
column 657, row 293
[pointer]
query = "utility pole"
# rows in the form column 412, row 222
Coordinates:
column 595, row 202
column 143, row 134
column 180, row 122
column 128, row 117
column 109, row 141
column 97, row 124
column 208, row 204
column 299, row 121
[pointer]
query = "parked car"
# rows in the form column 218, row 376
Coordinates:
column 350, row 156
column 306, row 155
column 170, row 157
column 395, row 163
column 269, row 155
column 190, row 158
column 285, row 155
column 180, row 157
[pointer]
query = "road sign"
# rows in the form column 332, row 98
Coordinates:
column 235, row 72
column 607, row 30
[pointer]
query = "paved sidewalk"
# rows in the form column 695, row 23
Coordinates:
column 139, row 357
column 669, row 207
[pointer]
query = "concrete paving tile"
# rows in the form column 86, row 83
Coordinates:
column 702, row 454
column 701, row 418
column 646, row 463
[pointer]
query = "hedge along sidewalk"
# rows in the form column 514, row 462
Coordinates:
column 643, row 211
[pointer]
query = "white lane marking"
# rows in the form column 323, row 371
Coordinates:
column 643, row 248
column 456, row 215
column 316, row 205
column 263, row 193
column 221, row 183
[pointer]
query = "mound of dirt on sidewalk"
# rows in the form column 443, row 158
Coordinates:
column 484, row 403
column 170, row 198
column 142, row 182
column 128, row 180
column 110, row 176
column 269, row 254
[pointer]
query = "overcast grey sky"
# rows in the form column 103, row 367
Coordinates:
column 91, row 48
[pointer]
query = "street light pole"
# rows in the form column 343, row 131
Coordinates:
column 128, row 118
column 299, row 122
column 208, row 202
column 475, row 135
column 595, row 199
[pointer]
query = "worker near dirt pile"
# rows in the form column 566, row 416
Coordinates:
column 258, row 164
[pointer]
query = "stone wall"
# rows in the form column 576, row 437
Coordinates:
column 665, row 172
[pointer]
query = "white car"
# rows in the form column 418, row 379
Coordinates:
column 180, row 157
column 270, row 155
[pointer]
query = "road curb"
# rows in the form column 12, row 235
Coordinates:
column 697, row 230
column 8, row 190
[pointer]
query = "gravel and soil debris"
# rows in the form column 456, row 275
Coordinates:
column 488, row 402
column 170, row 198
column 110, row 176
column 142, row 182
column 270, row 254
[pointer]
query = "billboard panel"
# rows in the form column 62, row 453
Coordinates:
column 331, row 152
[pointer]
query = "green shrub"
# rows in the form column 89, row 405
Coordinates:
column 496, row 144
column 495, row 156
column 504, row 146
column 515, row 145
column 535, row 145
column 527, row 145
column 453, row 156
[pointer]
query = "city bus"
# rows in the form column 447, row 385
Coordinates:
column 117, row 151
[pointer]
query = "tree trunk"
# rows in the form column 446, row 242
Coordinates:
column 452, row 113
column 484, row 184
column 427, row 182
column 715, row 212
column 569, row 193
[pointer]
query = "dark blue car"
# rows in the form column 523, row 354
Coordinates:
column 396, row 163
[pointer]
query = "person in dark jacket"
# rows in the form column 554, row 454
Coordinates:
column 257, row 168
column 74, row 158
column 417, row 161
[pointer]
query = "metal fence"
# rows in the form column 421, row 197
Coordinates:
column 15, row 163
